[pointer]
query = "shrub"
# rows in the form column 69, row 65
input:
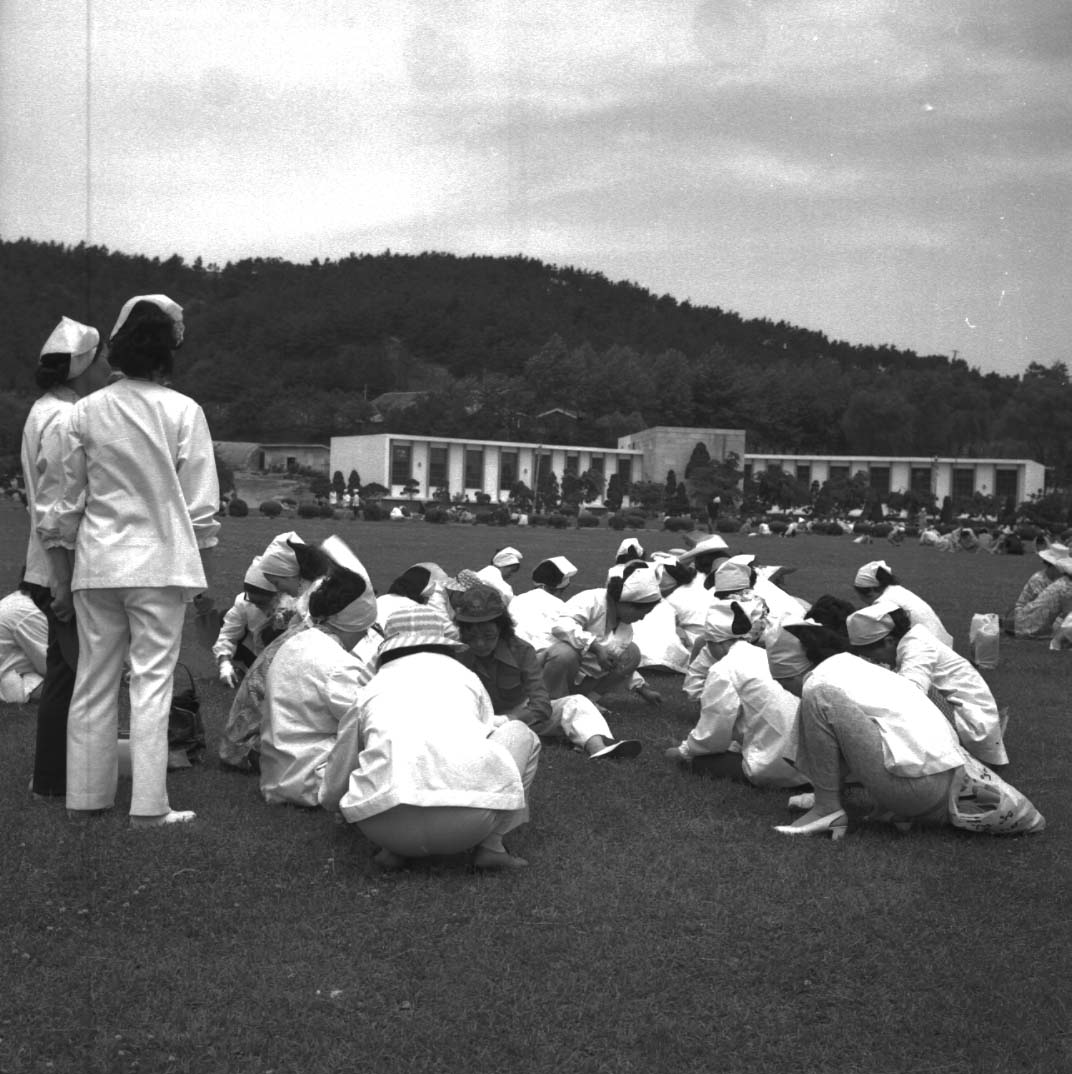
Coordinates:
column 375, row 512
column 327, row 511
column 271, row 508
column 308, row 509
column 1028, row 533
column 635, row 522
column 678, row 524
column 538, row 520
column 881, row 529
column 500, row 516
column 728, row 525
column 435, row 514
column 778, row 526
column 616, row 522
column 863, row 528
column 586, row 520
column 911, row 531
column 238, row 508
column 558, row 521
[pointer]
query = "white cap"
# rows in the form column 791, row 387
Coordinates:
column 641, row 586
column 735, row 618
column 872, row 623
column 255, row 576
column 731, row 577
column 78, row 340
column 359, row 614
column 279, row 558
column 867, row 575
column 506, row 557
column 172, row 309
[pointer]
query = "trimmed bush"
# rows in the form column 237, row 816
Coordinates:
column 327, row 511
column 728, row 525
column 636, row 522
column 436, row 514
column 308, row 509
column 679, row 524
column 238, row 508
column 538, row 520
column 271, row 508
column 375, row 512
column 616, row 522
column 586, row 521
column 558, row 521
column 778, row 526
column 881, row 529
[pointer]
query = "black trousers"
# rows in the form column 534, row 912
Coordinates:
column 61, row 663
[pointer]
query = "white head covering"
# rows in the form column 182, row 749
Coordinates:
column 172, row 309
column 436, row 577
column 713, row 543
column 872, row 623
column 785, row 653
column 548, row 568
column 631, row 546
column 279, row 557
column 640, row 587
column 728, row 619
column 731, row 577
column 359, row 614
column 506, row 557
column 745, row 558
column 78, row 340
column 1054, row 553
column 1064, row 565
column 255, row 576
column 867, row 575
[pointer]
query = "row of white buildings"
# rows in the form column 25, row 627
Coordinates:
column 493, row 466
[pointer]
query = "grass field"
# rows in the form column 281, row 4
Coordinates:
column 661, row 927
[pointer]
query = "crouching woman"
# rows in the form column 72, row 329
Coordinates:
column 422, row 764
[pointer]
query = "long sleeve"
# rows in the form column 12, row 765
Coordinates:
column 535, row 711
column 63, row 515
column 579, row 625
column 196, row 466
column 720, row 705
column 31, row 635
column 917, row 658
column 236, row 623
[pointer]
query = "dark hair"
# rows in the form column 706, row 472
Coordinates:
column 682, row 573
column 339, row 588
column 52, row 371
column 144, row 346
column 706, row 560
column 257, row 591
column 818, row 642
column 409, row 650
column 503, row 622
column 902, row 624
column 313, row 562
column 547, row 573
column 631, row 552
column 831, row 612
column 885, row 578
column 411, row 583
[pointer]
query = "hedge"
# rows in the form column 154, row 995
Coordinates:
column 271, row 508
column 238, row 508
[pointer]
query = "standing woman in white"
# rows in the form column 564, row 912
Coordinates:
column 139, row 509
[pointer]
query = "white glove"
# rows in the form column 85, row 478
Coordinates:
column 227, row 674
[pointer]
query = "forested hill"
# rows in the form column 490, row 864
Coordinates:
column 278, row 351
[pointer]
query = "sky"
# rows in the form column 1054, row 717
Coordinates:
column 883, row 171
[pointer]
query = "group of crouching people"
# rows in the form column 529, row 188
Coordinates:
column 418, row 715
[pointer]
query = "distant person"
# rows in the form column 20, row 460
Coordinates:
column 505, row 563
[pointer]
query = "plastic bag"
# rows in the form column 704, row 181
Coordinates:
column 984, row 637
column 981, row 801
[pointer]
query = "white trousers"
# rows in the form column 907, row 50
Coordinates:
column 147, row 622
column 578, row 719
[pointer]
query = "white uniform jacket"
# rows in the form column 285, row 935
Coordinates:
column 917, row 740
column 743, row 708
column 44, row 441
column 586, row 618
column 142, row 457
column 243, row 621
column 926, row 662
column 311, row 685
column 690, row 603
column 418, row 735
column 919, row 611
column 23, row 645
column 491, row 575
column 534, row 614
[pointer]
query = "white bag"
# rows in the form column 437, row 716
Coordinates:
column 984, row 637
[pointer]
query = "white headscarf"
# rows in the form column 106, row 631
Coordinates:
column 872, row 623
column 172, row 309
column 359, row 614
column 506, row 557
column 78, row 340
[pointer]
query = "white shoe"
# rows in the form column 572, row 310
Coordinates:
column 163, row 819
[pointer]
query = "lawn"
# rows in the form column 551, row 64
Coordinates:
column 661, row 927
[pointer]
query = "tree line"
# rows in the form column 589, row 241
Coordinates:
column 512, row 348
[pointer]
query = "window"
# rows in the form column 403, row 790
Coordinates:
column 474, row 468
column 625, row 473
column 437, row 467
column 598, row 464
column 879, row 480
column 804, row 473
column 507, row 470
column 839, row 473
column 963, row 482
column 747, row 472
column 573, row 465
column 1005, row 484
column 919, row 479
column 401, row 463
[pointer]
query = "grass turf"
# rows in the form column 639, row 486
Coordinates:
column 662, row 925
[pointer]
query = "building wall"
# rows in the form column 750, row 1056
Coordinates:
column 668, row 448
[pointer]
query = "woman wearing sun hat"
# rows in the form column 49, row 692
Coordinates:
column 882, row 633
column 422, row 764
column 747, row 724
column 138, row 508
column 510, row 671
column 1047, row 596
column 313, row 679
column 876, row 579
